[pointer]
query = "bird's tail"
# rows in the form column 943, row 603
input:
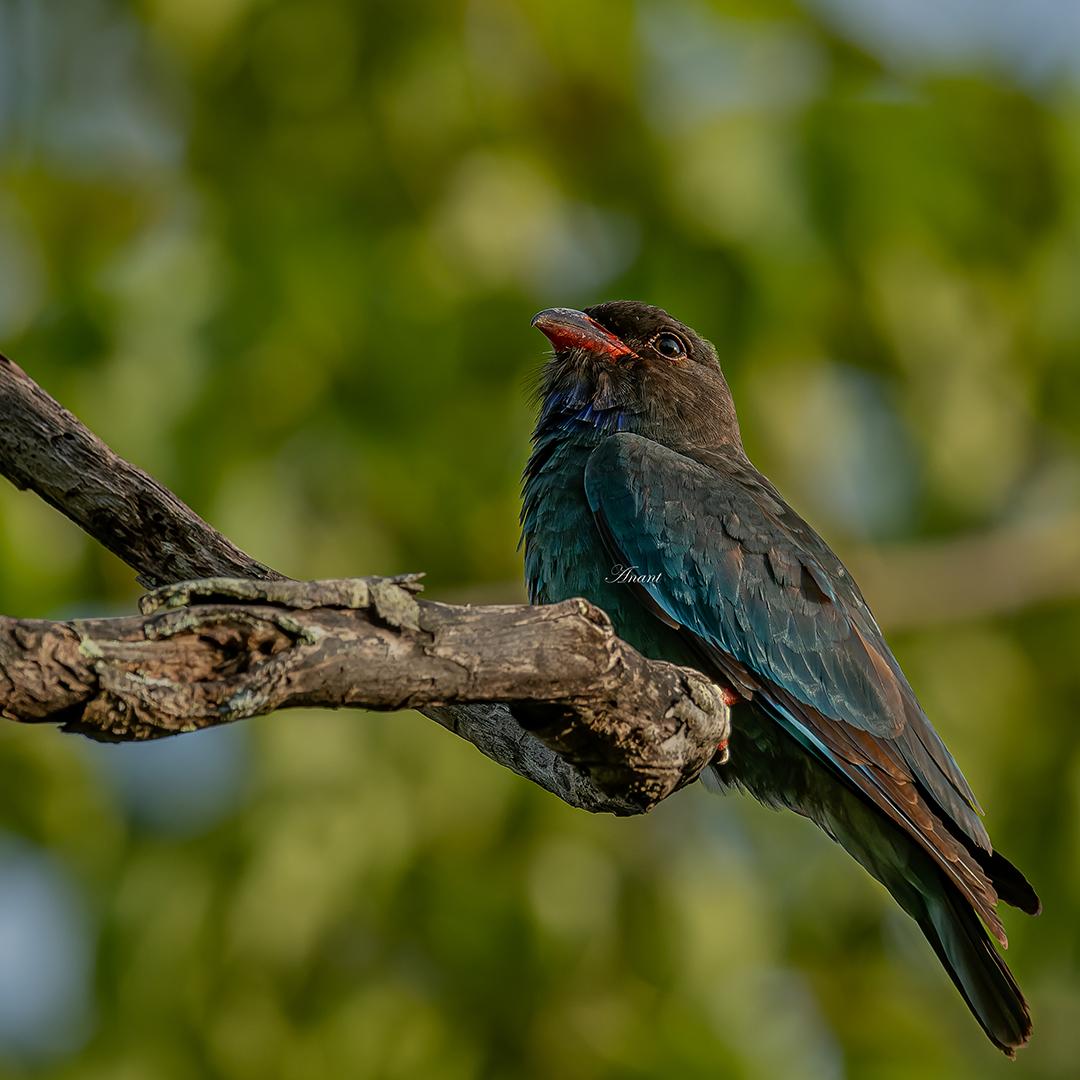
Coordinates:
column 918, row 880
column 974, row 964
column 945, row 916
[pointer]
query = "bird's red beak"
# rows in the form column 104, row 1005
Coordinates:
column 566, row 328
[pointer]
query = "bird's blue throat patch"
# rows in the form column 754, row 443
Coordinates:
column 571, row 411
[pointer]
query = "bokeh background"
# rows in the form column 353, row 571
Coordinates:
column 283, row 254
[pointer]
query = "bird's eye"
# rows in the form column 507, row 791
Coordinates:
column 669, row 346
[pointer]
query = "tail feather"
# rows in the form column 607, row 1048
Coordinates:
column 1010, row 885
column 976, row 967
column 943, row 913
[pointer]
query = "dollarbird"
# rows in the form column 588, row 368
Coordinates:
column 639, row 497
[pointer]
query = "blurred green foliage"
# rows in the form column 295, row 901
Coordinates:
column 283, row 254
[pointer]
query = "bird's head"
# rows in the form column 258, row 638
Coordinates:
column 628, row 366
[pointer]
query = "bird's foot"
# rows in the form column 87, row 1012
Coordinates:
column 729, row 698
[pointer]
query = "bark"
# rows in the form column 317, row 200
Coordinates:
column 549, row 692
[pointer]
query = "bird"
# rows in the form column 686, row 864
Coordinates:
column 639, row 497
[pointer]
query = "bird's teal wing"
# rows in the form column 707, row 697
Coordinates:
column 717, row 551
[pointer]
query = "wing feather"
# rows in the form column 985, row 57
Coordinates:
column 761, row 592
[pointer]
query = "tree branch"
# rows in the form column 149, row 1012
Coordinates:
column 549, row 692
column 219, row 650
column 45, row 449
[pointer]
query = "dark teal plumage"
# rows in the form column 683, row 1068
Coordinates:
column 638, row 462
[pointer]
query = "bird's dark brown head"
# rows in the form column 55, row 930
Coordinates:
column 628, row 366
